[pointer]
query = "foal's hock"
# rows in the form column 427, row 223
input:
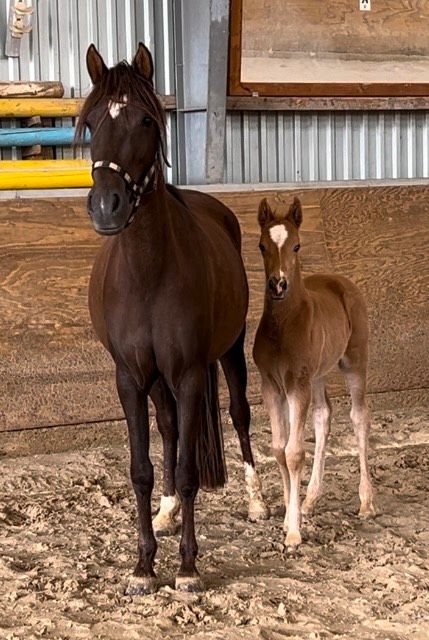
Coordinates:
column 308, row 326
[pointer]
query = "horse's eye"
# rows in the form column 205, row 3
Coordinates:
column 262, row 247
column 147, row 121
column 297, row 248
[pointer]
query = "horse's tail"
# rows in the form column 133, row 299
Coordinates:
column 210, row 450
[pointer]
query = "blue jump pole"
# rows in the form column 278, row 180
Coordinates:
column 47, row 137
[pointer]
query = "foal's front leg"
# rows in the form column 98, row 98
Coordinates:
column 135, row 405
column 299, row 400
column 275, row 403
column 190, row 406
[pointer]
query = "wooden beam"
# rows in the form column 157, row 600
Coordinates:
column 44, row 174
column 285, row 103
column 51, row 107
column 31, row 89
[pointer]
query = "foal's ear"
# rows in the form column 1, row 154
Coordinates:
column 143, row 62
column 295, row 212
column 265, row 213
column 95, row 64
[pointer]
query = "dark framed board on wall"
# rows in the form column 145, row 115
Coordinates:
column 331, row 48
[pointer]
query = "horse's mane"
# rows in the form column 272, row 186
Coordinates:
column 119, row 81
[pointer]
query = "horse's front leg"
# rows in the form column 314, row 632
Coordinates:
column 135, row 404
column 190, row 406
column 298, row 397
column 164, row 523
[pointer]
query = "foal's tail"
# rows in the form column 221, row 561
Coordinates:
column 210, row 451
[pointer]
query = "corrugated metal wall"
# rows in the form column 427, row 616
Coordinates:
column 295, row 147
column 260, row 147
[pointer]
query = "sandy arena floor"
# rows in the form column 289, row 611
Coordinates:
column 68, row 542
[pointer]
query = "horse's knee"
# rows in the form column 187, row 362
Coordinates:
column 142, row 477
column 295, row 459
column 279, row 455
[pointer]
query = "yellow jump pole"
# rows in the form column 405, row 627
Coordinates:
column 48, row 107
column 44, row 174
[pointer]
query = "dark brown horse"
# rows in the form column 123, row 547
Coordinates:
column 168, row 298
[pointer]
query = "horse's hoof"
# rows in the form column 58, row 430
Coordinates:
column 307, row 507
column 190, row 584
column 258, row 510
column 367, row 512
column 141, row 586
column 162, row 530
column 292, row 540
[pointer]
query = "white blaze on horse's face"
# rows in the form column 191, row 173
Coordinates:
column 278, row 235
column 114, row 108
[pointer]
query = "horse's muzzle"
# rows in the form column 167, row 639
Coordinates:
column 109, row 211
column 277, row 287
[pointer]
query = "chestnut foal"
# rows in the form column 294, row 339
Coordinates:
column 308, row 326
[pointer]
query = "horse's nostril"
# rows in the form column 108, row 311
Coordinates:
column 272, row 283
column 283, row 284
column 115, row 203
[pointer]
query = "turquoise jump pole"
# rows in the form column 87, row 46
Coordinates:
column 47, row 137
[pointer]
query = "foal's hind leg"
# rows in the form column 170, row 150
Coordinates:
column 164, row 523
column 234, row 367
column 322, row 426
column 356, row 381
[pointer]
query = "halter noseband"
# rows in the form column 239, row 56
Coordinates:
column 137, row 190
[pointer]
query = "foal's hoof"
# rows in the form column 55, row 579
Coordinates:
column 367, row 512
column 258, row 510
column 292, row 541
column 307, row 507
column 141, row 586
column 191, row 584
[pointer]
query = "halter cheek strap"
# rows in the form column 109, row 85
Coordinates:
column 137, row 190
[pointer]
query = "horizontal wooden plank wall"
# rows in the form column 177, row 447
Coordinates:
column 54, row 372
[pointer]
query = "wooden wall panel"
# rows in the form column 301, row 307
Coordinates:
column 52, row 369
column 391, row 28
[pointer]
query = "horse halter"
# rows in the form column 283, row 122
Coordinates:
column 136, row 190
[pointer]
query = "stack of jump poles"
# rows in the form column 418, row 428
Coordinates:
column 39, row 174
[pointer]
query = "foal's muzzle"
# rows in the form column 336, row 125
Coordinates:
column 277, row 287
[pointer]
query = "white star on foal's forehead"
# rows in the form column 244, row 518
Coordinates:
column 114, row 108
column 278, row 234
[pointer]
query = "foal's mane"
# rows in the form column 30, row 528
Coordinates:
column 116, row 82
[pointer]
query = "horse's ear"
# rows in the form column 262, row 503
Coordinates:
column 95, row 64
column 295, row 212
column 265, row 213
column 143, row 62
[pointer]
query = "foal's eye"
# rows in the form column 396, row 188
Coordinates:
column 147, row 121
column 297, row 248
column 261, row 247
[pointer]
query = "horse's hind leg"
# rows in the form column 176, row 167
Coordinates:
column 135, row 405
column 164, row 523
column 356, row 381
column 322, row 425
column 234, row 367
